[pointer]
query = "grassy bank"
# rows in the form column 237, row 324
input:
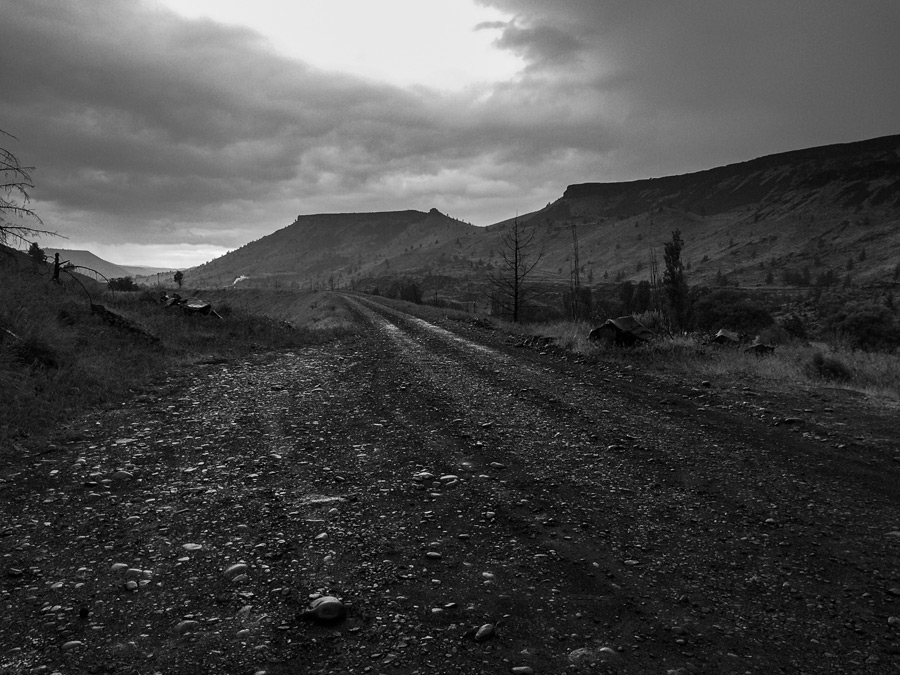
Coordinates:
column 59, row 358
column 795, row 364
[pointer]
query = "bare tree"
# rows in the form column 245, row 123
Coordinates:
column 519, row 259
column 15, row 182
column 675, row 281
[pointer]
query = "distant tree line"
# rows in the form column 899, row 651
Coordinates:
column 123, row 284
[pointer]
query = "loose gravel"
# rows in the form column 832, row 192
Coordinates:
column 430, row 499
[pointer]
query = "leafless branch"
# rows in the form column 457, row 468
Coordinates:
column 519, row 260
column 15, row 182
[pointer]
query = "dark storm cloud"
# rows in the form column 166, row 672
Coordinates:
column 142, row 116
column 144, row 125
column 539, row 45
column 703, row 82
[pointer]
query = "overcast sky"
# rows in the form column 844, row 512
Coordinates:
column 167, row 132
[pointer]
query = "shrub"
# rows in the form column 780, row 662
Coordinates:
column 65, row 318
column 123, row 284
column 735, row 310
column 405, row 289
column 870, row 326
column 793, row 324
column 774, row 335
column 35, row 352
column 655, row 321
column 828, row 368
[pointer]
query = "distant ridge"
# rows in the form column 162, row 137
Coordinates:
column 802, row 172
column 831, row 211
column 107, row 269
column 332, row 248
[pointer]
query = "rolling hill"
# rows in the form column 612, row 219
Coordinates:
column 337, row 249
column 826, row 210
column 94, row 262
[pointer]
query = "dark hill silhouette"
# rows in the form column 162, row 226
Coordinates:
column 334, row 248
column 850, row 174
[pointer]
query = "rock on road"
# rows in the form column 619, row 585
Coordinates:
column 477, row 508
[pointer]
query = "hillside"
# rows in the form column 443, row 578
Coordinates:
column 335, row 249
column 95, row 262
column 817, row 208
column 831, row 210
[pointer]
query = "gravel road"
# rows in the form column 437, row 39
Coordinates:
column 477, row 507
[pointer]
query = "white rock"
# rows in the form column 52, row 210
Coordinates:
column 486, row 631
column 234, row 570
column 185, row 627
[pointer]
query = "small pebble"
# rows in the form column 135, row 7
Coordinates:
column 185, row 627
column 235, row 570
column 485, row 632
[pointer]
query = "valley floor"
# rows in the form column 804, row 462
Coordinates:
column 478, row 508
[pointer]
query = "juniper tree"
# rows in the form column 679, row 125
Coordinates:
column 675, row 281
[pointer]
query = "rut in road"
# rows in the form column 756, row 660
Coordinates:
column 439, row 482
column 677, row 509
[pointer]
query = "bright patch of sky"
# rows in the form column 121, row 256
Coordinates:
column 441, row 44
column 162, row 256
column 170, row 131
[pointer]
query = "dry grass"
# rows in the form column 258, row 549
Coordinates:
column 317, row 313
column 794, row 364
column 253, row 319
column 57, row 358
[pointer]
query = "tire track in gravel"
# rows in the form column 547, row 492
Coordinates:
column 609, row 531
column 658, row 504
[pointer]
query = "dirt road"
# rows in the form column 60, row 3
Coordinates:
column 477, row 507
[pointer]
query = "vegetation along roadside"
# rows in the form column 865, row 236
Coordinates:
column 60, row 354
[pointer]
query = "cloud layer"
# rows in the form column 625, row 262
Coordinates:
column 147, row 128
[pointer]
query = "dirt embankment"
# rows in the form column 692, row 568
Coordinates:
column 478, row 508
